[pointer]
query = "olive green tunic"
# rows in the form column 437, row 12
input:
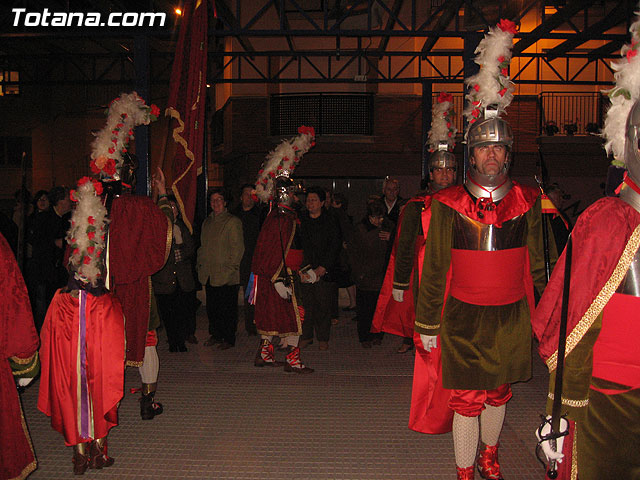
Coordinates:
column 483, row 347
column 410, row 230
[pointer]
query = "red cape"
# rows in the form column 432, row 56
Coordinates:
column 599, row 238
column 105, row 345
column 18, row 338
column 391, row 316
column 429, row 412
column 139, row 243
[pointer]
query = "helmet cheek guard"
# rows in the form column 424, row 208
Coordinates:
column 631, row 145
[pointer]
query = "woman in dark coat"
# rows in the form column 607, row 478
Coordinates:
column 367, row 253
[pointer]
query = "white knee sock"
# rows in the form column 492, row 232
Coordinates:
column 465, row 439
column 267, row 337
column 491, row 420
column 292, row 340
column 150, row 366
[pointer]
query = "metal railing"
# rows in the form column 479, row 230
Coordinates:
column 571, row 113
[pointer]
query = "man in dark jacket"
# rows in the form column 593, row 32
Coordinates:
column 174, row 284
column 250, row 215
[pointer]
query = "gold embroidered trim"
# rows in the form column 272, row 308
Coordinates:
column 574, row 454
column 569, row 402
column 23, row 361
column 30, row 368
column 26, row 471
column 398, row 284
column 601, row 300
column 274, row 279
column 428, row 327
column 169, row 240
column 178, row 138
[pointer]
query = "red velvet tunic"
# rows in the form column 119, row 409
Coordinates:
column 18, row 339
column 273, row 314
column 139, row 242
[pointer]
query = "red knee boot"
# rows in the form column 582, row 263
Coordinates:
column 465, row 473
column 488, row 465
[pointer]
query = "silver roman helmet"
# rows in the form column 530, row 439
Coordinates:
column 490, row 92
column 490, row 131
column 284, row 191
column 442, row 158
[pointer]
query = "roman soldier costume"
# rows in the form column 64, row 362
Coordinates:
column 83, row 338
column 278, row 257
column 483, row 255
column 601, row 374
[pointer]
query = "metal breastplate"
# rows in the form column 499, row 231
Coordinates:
column 630, row 284
column 469, row 234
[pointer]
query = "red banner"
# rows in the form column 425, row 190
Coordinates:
column 186, row 106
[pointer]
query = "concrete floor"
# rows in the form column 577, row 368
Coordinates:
column 226, row 419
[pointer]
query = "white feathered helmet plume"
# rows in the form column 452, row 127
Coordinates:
column 283, row 160
column 86, row 236
column 623, row 97
column 443, row 130
column 492, row 85
column 124, row 114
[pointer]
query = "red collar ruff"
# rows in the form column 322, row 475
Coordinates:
column 519, row 200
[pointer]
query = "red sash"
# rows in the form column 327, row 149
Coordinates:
column 616, row 353
column 294, row 259
column 488, row 277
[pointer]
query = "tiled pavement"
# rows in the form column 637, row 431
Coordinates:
column 226, row 419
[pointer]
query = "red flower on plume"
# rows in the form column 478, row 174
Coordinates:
column 109, row 167
column 83, row 180
column 504, row 72
column 72, row 196
column 98, row 188
column 307, row 131
column 631, row 53
column 91, row 249
column 501, row 58
column 476, row 87
column 155, row 110
column 94, row 168
column 503, row 91
column 91, row 235
column 86, row 260
column 91, row 220
column 445, row 97
column 508, row 26
column 475, row 112
column 75, row 251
